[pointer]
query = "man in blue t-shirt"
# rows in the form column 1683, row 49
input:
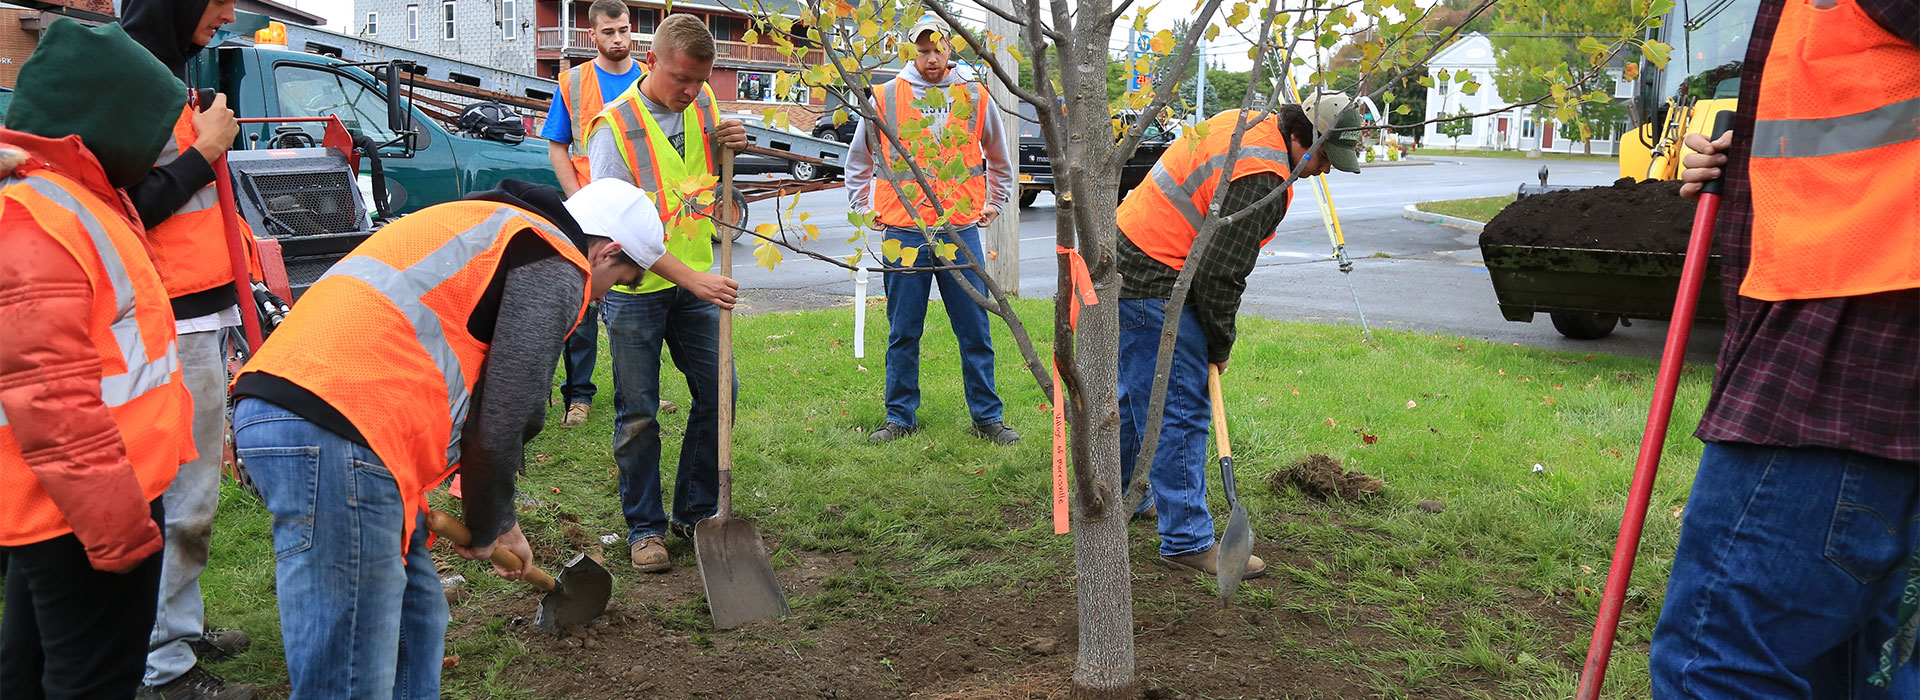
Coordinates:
column 584, row 89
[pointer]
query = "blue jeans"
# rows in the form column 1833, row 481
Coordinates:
column 1787, row 576
column 1179, row 471
column 637, row 325
column 583, row 346
column 359, row 619
column 907, row 319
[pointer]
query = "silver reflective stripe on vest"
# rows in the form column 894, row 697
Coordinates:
column 907, row 175
column 142, row 375
column 1181, row 193
column 636, row 138
column 574, row 102
column 202, row 200
column 1810, row 138
column 169, row 152
column 404, row 288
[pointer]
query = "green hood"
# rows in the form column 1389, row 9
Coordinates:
column 123, row 115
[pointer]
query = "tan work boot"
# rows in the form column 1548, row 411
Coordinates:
column 1206, row 563
column 650, row 556
column 668, row 407
column 576, row 414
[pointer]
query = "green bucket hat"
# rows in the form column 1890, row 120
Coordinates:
column 1329, row 112
column 123, row 113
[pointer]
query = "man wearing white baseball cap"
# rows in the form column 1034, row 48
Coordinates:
column 428, row 350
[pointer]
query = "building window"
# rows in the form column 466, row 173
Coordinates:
column 644, row 19
column 755, row 86
column 722, row 28
column 446, row 20
column 509, row 20
column 1440, row 84
column 373, row 24
column 413, row 23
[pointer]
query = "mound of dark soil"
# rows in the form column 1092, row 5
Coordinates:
column 1640, row 216
column 1320, row 477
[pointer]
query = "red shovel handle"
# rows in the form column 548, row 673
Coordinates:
column 237, row 254
column 1699, row 246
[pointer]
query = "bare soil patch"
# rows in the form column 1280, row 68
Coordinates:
column 1320, row 477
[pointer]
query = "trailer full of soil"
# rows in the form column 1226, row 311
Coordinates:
column 1593, row 257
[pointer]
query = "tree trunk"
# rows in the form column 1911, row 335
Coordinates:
column 1104, row 669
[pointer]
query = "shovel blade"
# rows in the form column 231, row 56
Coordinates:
column 1235, row 547
column 736, row 572
column 580, row 594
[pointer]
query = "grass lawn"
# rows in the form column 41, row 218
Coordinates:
column 1483, row 153
column 1479, row 209
column 929, row 568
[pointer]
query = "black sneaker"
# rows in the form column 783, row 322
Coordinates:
column 997, row 432
column 224, row 644
column 199, row 684
column 684, row 532
column 890, row 432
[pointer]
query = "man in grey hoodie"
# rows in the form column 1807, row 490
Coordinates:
column 906, row 214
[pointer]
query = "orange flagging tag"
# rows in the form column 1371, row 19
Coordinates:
column 1082, row 287
column 1061, row 519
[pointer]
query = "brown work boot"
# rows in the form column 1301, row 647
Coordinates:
column 576, row 414
column 650, row 556
column 667, row 407
column 1206, row 563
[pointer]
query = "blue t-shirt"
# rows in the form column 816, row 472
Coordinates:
column 559, row 126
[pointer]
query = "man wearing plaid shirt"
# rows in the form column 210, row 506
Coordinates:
column 1159, row 222
column 1801, row 530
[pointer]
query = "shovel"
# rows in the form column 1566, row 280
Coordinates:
column 733, row 560
column 1653, row 439
column 579, row 595
column 1236, row 544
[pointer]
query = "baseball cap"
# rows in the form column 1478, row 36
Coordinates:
column 927, row 23
column 1328, row 112
column 614, row 208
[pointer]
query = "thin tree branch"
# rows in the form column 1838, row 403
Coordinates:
column 986, row 54
column 1183, row 58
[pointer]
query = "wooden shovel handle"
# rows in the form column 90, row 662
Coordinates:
column 724, row 451
column 1219, row 410
column 451, row 528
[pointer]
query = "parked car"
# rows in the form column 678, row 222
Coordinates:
column 824, row 128
column 1036, row 171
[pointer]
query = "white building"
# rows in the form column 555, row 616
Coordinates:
column 1514, row 130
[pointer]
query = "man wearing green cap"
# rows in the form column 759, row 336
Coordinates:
column 1158, row 224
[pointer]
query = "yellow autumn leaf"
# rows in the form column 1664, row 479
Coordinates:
column 908, row 256
column 766, row 230
column 890, row 250
column 1162, row 42
column 768, row 254
column 907, row 52
column 946, row 250
column 812, row 231
column 869, row 29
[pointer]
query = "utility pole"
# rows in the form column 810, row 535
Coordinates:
column 1200, row 89
column 1002, row 239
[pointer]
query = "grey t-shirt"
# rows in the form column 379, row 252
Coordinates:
column 603, row 154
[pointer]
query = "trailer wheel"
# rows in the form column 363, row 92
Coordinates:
column 1584, row 325
column 740, row 201
column 1027, row 198
column 803, row 170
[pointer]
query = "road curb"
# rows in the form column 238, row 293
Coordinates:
column 1413, row 212
column 1394, row 163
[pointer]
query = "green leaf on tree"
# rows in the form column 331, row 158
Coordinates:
column 1469, row 87
column 1656, row 53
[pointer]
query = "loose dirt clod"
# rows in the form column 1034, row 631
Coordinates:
column 1432, row 506
column 1320, row 477
column 1041, row 646
column 1646, row 216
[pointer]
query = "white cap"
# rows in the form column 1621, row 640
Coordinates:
column 613, row 208
column 928, row 23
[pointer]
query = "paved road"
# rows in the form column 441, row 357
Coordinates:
column 1427, row 278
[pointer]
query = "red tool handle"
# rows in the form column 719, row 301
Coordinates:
column 237, row 254
column 1699, row 246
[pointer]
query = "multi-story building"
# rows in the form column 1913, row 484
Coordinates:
column 545, row 37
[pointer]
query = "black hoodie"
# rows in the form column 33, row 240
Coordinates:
column 165, row 28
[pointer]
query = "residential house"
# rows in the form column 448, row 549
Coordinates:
column 544, row 37
column 1512, row 130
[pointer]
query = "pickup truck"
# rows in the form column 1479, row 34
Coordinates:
column 439, row 165
column 1036, row 171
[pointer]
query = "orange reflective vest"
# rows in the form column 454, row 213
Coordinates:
column 1163, row 214
column 658, row 168
column 132, row 329
column 190, row 247
column 963, row 197
column 1836, row 159
column 580, row 92
column 383, row 339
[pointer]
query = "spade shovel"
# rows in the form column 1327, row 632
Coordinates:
column 733, row 560
column 579, row 595
column 1236, row 544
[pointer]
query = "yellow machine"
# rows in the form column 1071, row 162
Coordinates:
column 1702, row 79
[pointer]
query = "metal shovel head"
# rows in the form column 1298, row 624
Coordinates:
column 736, row 572
column 579, row 595
column 1236, row 544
